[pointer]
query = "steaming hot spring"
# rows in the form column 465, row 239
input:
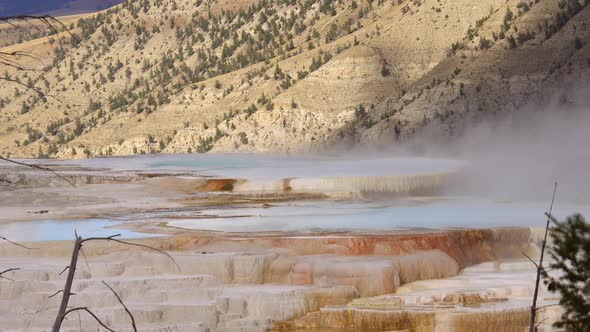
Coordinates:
column 314, row 243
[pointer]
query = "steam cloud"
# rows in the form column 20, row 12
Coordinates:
column 520, row 156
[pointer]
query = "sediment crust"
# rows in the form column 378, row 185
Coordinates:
column 233, row 282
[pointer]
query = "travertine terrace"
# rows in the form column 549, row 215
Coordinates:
column 308, row 165
column 290, row 281
column 419, row 280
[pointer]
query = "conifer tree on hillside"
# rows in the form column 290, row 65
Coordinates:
column 571, row 260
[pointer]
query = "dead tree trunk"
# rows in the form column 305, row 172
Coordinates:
column 68, row 287
column 67, row 290
column 532, row 327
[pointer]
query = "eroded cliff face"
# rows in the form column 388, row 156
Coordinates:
column 230, row 282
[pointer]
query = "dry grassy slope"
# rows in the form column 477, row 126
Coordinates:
column 16, row 32
column 498, row 80
column 409, row 40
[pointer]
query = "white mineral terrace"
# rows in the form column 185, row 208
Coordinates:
column 272, row 243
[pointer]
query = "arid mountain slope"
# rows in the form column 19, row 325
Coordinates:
column 195, row 76
column 56, row 7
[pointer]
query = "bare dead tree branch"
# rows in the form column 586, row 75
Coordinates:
column 54, row 294
column 13, row 268
column 90, row 313
column 112, row 238
column 16, row 243
column 530, row 259
column 124, row 306
column 552, row 218
column 49, row 21
column 64, row 270
column 39, row 168
column 6, row 271
column 66, row 292
column 85, row 259
column 15, row 66
column 18, row 54
column 532, row 326
column 11, row 59
column 541, row 322
column 40, row 92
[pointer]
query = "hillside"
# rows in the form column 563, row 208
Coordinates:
column 55, row 7
column 195, row 76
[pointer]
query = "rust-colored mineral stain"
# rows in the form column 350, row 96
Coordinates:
column 218, row 185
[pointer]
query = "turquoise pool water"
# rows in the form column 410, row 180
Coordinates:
column 375, row 216
column 55, row 230
column 492, row 203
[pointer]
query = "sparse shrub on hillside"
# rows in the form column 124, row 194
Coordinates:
column 484, row 43
column 385, row 70
column 278, row 74
column 51, row 150
column 332, row 34
column 479, row 23
column 93, row 106
column 269, row 105
column 25, row 108
column 471, row 32
column 360, row 111
column 522, row 7
column 205, row 144
column 250, row 110
column 243, row 138
column 78, row 127
column 508, row 17
column 302, row 74
column 569, row 8
column 53, row 126
column 512, row 42
column 456, row 46
column 286, row 83
column 319, row 61
column 524, row 36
